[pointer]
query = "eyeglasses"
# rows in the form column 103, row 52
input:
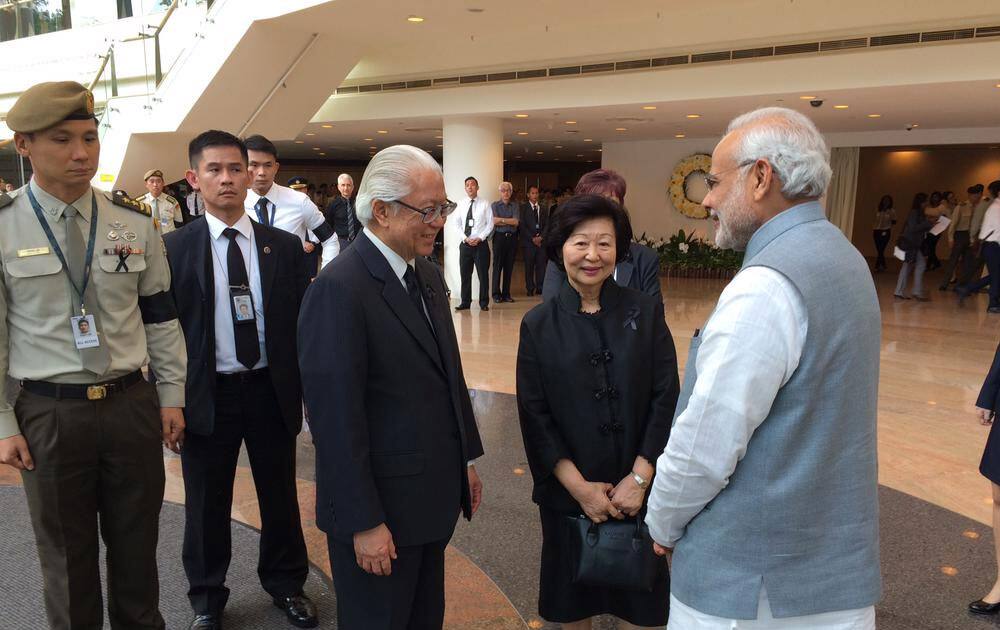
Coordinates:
column 711, row 181
column 432, row 213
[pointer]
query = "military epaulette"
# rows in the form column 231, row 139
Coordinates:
column 171, row 200
column 123, row 200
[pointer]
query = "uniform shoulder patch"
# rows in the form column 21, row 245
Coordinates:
column 127, row 202
column 171, row 200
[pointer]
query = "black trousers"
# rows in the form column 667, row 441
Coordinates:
column 881, row 241
column 933, row 262
column 95, row 461
column 534, row 268
column 478, row 256
column 411, row 598
column 959, row 252
column 504, row 250
column 244, row 412
column 991, row 252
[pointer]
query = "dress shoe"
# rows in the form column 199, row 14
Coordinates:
column 980, row 607
column 993, row 309
column 921, row 298
column 507, row 299
column 496, row 298
column 901, row 297
column 530, row 293
column 206, row 622
column 484, row 308
column 299, row 609
column 462, row 307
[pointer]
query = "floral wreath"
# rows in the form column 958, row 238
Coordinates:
column 678, row 185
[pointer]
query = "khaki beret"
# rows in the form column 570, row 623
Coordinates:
column 153, row 173
column 47, row 104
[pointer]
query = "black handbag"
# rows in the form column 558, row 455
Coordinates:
column 613, row 554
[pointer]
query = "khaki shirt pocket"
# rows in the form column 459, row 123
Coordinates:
column 133, row 264
column 37, row 286
column 33, row 266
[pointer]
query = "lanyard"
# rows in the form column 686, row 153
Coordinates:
column 89, row 259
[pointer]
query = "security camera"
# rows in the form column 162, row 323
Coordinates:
column 816, row 102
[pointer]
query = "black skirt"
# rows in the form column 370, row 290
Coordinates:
column 561, row 601
column 990, row 464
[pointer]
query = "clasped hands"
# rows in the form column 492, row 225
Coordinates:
column 601, row 501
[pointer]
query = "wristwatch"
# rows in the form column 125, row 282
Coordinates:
column 639, row 481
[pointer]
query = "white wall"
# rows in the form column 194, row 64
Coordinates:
column 646, row 167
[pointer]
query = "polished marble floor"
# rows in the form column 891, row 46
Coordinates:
column 934, row 357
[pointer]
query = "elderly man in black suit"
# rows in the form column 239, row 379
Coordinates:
column 391, row 418
column 238, row 286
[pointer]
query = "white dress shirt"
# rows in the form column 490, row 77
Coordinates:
column 989, row 231
column 482, row 217
column 683, row 617
column 195, row 204
column 225, row 336
column 293, row 211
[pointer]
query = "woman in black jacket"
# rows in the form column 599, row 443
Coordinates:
column 912, row 242
column 596, row 390
column 987, row 406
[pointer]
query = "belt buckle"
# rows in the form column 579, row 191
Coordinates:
column 97, row 392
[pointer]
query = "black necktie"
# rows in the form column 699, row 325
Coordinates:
column 261, row 208
column 350, row 222
column 245, row 333
column 468, row 219
column 410, row 278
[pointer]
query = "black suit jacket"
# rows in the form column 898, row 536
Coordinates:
column 336, row 215
column 989, row 395
column 640, row 271
column 526, row 228
column 391, row 416
column 193, row 285
column 566, row 364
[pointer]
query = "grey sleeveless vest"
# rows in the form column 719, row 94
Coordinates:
column 800, row 513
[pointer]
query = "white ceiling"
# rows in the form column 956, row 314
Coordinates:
column 942, row 106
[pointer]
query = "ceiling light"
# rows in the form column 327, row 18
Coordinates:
column 382, row 131
column 440, row 145
column 507, row 142
column 693, row 116
column 679, row 135
column 649, row 107
column 841, row 106
column 300, row 142
column 621, row 129
column 914, row 125
column 588, row 139
column 321, row 153
column 416, row 19
column 600, row 150
column 558, row 146
column 327, row 126
column 874, row 115
column 310, row 134
column 315, row 148
column 373, row 148
column 539, row 152
column 520, row 115
column 997, row 85
column 368, row 139
column 806, row 97
column 570, row 122
column 438, row 137
column 579, row 155
column 522, row 133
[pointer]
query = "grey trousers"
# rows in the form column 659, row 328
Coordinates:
column 917, row 267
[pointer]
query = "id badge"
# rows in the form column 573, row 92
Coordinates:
column 471, row 222
column 84, row 331
column 242, row 306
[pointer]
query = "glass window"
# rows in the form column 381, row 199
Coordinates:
column 24, row 18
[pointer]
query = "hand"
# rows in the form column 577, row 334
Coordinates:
column 308, row 247
column 985, row 416
column 374, row 550
column 537, row 240
column 593, row 498
column 14, row 452
column 666, row 552
column 627, row 496
column 172, row 419
column 476, row 488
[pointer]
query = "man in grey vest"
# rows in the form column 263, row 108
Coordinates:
column 766, row 494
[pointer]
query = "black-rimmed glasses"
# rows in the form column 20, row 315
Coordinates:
column 711, row 181
column 432, row 213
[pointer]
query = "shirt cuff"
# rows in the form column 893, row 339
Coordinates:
column 170, row 395
column 471, row 462
column 8, row 424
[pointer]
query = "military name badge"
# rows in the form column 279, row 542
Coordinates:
column 32, row 251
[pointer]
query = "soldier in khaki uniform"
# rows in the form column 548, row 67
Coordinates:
column 84, row 298
column 166, row 209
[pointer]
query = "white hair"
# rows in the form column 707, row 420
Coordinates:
column 505, row 185
column 344, row 176
column 790, row 143
column 390, row 176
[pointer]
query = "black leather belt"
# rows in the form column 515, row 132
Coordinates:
column 99, row 391
column 242, row 378
column 504, row 233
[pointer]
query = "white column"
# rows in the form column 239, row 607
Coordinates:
column 473, row 146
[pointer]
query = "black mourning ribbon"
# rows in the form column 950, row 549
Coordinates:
column 123, row 254
column 630, row 319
